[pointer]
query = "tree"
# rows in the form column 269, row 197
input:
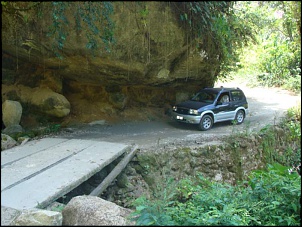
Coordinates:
column 216, row 20
column 278, row 51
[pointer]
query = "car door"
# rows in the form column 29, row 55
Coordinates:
column 236, row 100
column 223, row 110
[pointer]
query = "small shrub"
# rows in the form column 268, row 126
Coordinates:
column 293, row 83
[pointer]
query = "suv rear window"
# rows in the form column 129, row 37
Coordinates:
column 237, row 95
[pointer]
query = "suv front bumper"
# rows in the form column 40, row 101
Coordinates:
column 190, row 119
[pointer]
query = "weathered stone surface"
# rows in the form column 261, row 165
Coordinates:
column 8, row 76
column 94, row 211
column 50, row 102
column 38, row 217
column 7, row 142
column 8, row 215
column 23, row 140
column 13, row 129
column 154, row 50
column 151, row 62
column 11, row 113
column 51, row 81
column 219, row 162
column 122, row 180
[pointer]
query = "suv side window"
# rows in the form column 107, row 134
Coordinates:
column 224, row 97
column 237, row 95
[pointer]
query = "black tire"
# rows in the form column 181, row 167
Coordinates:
column 239, row 118
column 206, row 123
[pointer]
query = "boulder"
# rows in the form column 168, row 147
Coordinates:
column 12, row 129
column 8, row 215
column 11, row 113
column 31, row 217
column 7, row 142
column 44, row 100
column 92, row 210
column 50, row 102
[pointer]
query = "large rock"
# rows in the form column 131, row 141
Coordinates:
column 11, row 113
column 42, row 99
column 50, row 102
column 12, row 129
column 8, row 215
column 38, row 217
column 7, row 142
column 30, row 217
column 94, row 211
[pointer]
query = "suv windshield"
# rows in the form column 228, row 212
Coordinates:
column 204, row 96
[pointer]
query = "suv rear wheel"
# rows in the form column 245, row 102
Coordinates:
column 206, row 123
column 239, row 118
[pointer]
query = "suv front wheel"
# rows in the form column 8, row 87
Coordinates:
column 239, row 118
column 206, row 123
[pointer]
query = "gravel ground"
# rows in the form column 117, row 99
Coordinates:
column 267, row 106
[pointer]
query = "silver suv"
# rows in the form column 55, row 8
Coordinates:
column 211, row 105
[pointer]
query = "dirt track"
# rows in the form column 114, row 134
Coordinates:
column 267, row 106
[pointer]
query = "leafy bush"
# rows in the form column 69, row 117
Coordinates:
column 282, row 144
column 153, row 212
column 293, row 83
column 270, row 197
column 294, row 114
column 275, row 196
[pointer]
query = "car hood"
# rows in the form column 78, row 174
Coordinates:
column 192, row 104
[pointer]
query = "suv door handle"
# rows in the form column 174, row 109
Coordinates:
column 224, row 104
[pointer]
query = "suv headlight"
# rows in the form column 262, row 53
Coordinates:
column 174, row 108
column 192, row 111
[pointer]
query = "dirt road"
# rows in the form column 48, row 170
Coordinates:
column 267, row 106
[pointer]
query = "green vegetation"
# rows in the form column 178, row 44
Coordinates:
column 269, row 196
column 58, row 208
column 217, row 21
column 275, row 60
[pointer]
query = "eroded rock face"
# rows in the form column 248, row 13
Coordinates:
column 151, row 62
column 154, row 50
